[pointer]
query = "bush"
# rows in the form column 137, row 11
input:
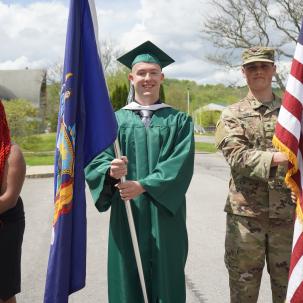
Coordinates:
column 208, row 118
column 22, row 117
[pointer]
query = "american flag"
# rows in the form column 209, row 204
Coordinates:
column 289, row 139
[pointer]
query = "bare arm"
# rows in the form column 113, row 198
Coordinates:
column 13, row 178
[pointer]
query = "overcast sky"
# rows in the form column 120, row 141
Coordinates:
column 33, row 33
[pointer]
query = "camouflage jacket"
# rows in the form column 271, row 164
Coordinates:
column 244, row 134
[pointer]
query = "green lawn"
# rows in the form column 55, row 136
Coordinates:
column 40, row 149
column 39, row 159
column 205, row 147
column 38, row 143
column 205, row 134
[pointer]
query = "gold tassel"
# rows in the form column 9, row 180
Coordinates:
column 290, row 182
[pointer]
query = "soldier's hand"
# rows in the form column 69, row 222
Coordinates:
column 130, row 189
column 279, row 158
column 293, row 197
column 118, row 168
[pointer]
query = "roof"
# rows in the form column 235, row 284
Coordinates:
column 213, row 107
column 24, row 84
column 6, row 94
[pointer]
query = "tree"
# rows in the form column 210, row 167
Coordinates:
column 208, row 118
column 54, row 76
column 22, row 118
column 239, row 24
column 162, row 93
column 53, row 101
column 119, row 96
column 109, row 55
column 176, row 96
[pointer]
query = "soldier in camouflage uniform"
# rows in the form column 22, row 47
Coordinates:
column 259, row 206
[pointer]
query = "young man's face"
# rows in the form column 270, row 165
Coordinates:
column 259, row 75
column 146, row 78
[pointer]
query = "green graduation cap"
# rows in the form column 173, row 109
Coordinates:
column 146, row 52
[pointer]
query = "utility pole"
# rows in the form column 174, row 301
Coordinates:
column 188, row 100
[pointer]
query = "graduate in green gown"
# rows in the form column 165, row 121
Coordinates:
column 158, row 149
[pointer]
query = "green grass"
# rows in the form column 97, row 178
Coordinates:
column 205, row 147
column 39, row 159
column 205, row 134
column 38, row 143
column 39, row 149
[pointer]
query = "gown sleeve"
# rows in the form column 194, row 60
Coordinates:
column 101, row 185
column 169, row 180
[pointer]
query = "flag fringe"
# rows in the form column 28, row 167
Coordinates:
column 290, row 182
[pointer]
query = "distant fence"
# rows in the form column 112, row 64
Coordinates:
column 210, row 129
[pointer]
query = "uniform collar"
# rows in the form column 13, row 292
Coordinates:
column 274, row 104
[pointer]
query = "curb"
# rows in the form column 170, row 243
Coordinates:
column 43, row 171
column 40, row 175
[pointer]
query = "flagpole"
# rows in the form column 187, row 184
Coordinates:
column 132, row 230
column 127, row 203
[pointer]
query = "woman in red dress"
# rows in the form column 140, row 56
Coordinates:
column 12, row 222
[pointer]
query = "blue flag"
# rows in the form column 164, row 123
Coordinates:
column 86, row 126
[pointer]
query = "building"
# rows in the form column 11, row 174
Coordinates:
column 197, row 115
column 28, row 84
column 6, row 94
column 212, row 107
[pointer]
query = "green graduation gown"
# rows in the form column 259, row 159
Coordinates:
column 161, row 158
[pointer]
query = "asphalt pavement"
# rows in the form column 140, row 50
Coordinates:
column 206, row 276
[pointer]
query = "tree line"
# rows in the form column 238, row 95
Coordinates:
column 24, row 118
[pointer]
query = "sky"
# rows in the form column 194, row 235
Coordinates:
column 33, row 34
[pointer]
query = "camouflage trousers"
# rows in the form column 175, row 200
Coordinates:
column 248, row 243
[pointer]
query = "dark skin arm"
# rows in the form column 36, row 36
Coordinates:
column 12, row 180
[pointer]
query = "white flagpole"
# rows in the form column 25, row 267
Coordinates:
column 132, row 230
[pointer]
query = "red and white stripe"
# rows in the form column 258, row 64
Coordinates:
column 289, row 139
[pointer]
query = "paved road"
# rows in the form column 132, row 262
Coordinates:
column 206, row 275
